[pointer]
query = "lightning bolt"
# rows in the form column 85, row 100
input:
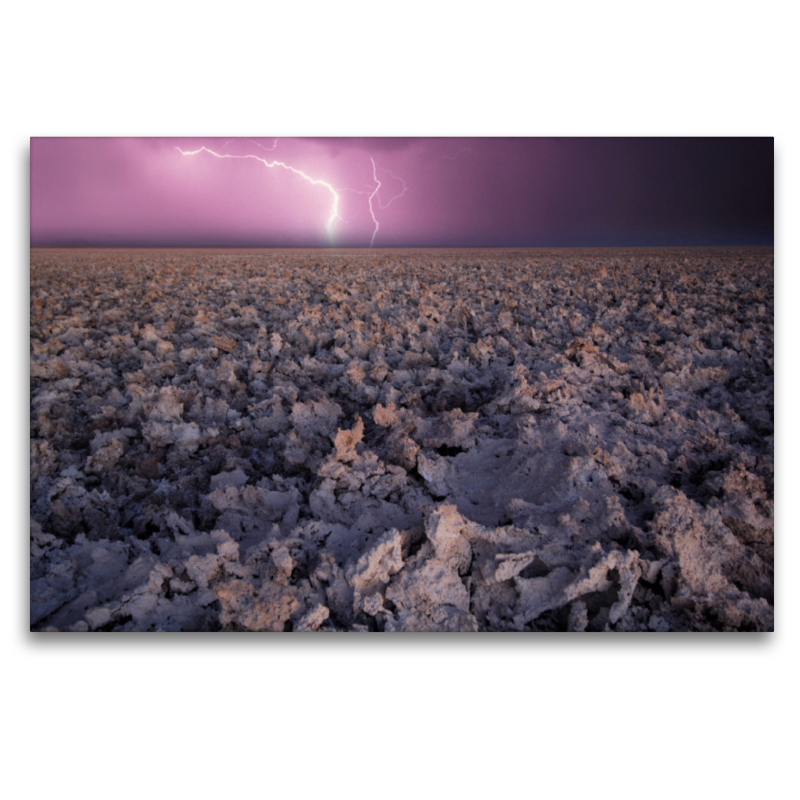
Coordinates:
column 375, row 194
column 397, row 196
column 334, row 215
column 371, row 197
column 462, row 150
column 268, row 149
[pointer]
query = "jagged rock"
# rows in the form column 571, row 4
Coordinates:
column 491, row 440
column 224, row 343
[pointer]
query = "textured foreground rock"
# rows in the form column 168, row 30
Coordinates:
column 402, row 441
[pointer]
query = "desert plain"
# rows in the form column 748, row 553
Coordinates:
column 408, row 440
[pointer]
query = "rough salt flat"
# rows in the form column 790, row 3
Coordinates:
column 495, row 440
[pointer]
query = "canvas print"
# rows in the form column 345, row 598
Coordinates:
column 401, row 385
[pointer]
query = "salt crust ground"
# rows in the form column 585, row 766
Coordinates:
column 407, row 441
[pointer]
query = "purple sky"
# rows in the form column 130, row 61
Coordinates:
column 433, row 192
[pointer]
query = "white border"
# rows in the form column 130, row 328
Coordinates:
column 670, row 716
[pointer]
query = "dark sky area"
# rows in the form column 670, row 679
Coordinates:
column 383, row 192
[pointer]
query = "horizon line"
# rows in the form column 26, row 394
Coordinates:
column 244, row 246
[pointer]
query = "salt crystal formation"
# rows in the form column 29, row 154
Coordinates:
column 406, row 441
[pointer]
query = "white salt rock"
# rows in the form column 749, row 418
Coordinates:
column 97, row 617
column 223, row 480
